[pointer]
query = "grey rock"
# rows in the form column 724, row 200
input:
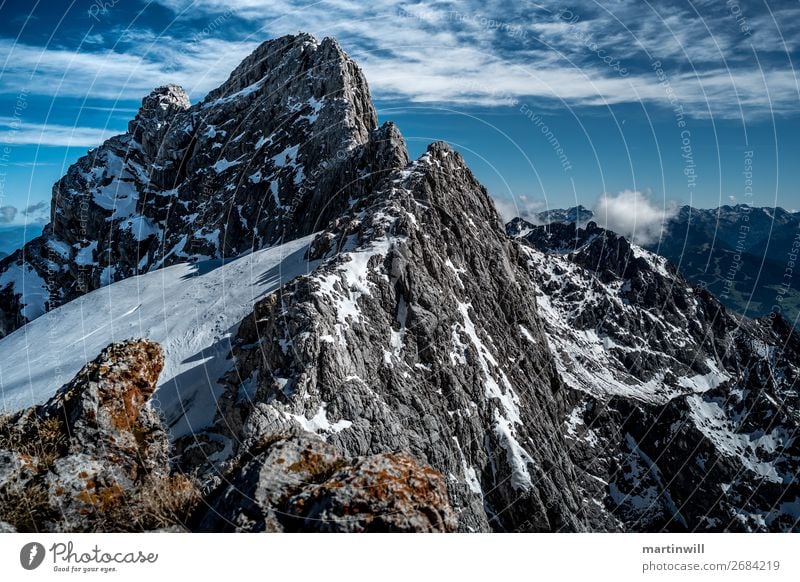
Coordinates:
column 686, row 411
column 419, row 334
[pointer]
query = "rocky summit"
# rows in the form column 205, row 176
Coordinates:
column 272, row 154
column 387, row 355
column 684, row 415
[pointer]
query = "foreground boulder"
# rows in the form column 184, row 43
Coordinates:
column 95, row 456
column 300, row 483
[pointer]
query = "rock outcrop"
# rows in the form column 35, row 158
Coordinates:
column 419, row 333
column 300, row 483
column 95, row 456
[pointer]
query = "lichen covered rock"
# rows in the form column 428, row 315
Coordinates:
column 298, row 482
column 84, row 460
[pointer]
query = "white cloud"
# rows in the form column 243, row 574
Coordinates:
column 198, row 66
column 16, row 132
column 462, row 54
column 519, row 206
column 633, row 215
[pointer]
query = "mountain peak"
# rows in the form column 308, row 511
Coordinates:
column 164, row 97
column 276, row 151
column 161, row 105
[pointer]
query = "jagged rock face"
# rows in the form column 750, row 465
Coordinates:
column 418, row 333
column 272, row 154
column 620, row 313
column 300, row 483
column 739, row 253
column 80, row 456
column 686, row 412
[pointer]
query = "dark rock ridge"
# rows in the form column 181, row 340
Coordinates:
column 95, row 457
column 274, row 153
column 684, row 415
column 419, row 333
column 740, row 253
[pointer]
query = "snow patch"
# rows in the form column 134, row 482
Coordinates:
column 85, row 256
column 37, row 359
column 140, row 227
column 223, row 164
column 711, row 420
column 518, row 458
column 319, row 424
column 349, row 282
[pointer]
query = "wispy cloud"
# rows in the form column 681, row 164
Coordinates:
column 470, row 51
column 461, row 53
column 7, row 214
column 519, row 206
column 120, row 76
column 38, row 213
column 12, row 131
column 32, row 164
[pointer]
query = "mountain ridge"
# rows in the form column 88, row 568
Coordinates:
column 741, row 253
column 174, row 187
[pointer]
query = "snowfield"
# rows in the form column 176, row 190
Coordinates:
column 192, row 310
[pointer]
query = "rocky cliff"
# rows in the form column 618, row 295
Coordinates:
column 684, row 415
column 419, row 333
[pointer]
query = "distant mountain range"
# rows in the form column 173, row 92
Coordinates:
column 14, row 233
column 744, row 255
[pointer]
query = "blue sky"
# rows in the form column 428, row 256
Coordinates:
column 552, row 103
